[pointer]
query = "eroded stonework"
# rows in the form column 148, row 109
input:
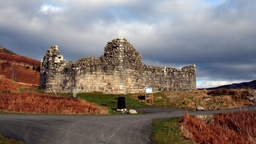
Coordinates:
column 118, row 70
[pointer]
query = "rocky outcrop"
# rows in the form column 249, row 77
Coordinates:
column 6, row 51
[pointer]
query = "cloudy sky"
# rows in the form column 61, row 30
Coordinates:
column 219, row 36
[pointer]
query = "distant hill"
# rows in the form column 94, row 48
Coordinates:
column 10, row 56
column 18, row 68
column 6, row 51
column 243, row 85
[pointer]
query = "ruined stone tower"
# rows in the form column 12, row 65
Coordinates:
column 118, row 70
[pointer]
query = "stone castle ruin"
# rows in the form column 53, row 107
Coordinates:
column 118, row 70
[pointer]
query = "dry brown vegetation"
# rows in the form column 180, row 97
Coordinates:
column 19, row 68
column 211, row 99
column 19, row 73
column 19, row 59
column 235, row 128
column 31, row 102
column 6, row 85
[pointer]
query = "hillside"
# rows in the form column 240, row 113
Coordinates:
column 243, row 85
column 8, row 85
column 19, row 75
column 6, row 51
column 18, row 68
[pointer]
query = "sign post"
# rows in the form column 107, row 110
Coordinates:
column 149, row 94
column 74, row 92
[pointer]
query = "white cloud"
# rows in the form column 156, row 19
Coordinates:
column 208, row 33
column 47, row 8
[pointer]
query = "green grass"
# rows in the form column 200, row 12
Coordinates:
column 4, row 140
column 132, row 100
column 161, row 100
column 167, row 131
column 22, row 89
column 110, row 100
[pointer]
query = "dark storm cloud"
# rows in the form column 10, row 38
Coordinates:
column 218, row 36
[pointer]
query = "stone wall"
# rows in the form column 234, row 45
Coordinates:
column 118, row 70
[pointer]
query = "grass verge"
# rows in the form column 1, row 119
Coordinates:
column 167, row 131
column 110, row 101
column 4, row 140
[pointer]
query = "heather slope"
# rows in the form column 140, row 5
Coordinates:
column 19, row 68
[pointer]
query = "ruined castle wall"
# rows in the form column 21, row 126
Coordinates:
column 129, row 82
column 119, row 70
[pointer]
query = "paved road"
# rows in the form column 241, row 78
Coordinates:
column 109, row 129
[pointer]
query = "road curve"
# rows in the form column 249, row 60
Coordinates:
column 108, row 129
